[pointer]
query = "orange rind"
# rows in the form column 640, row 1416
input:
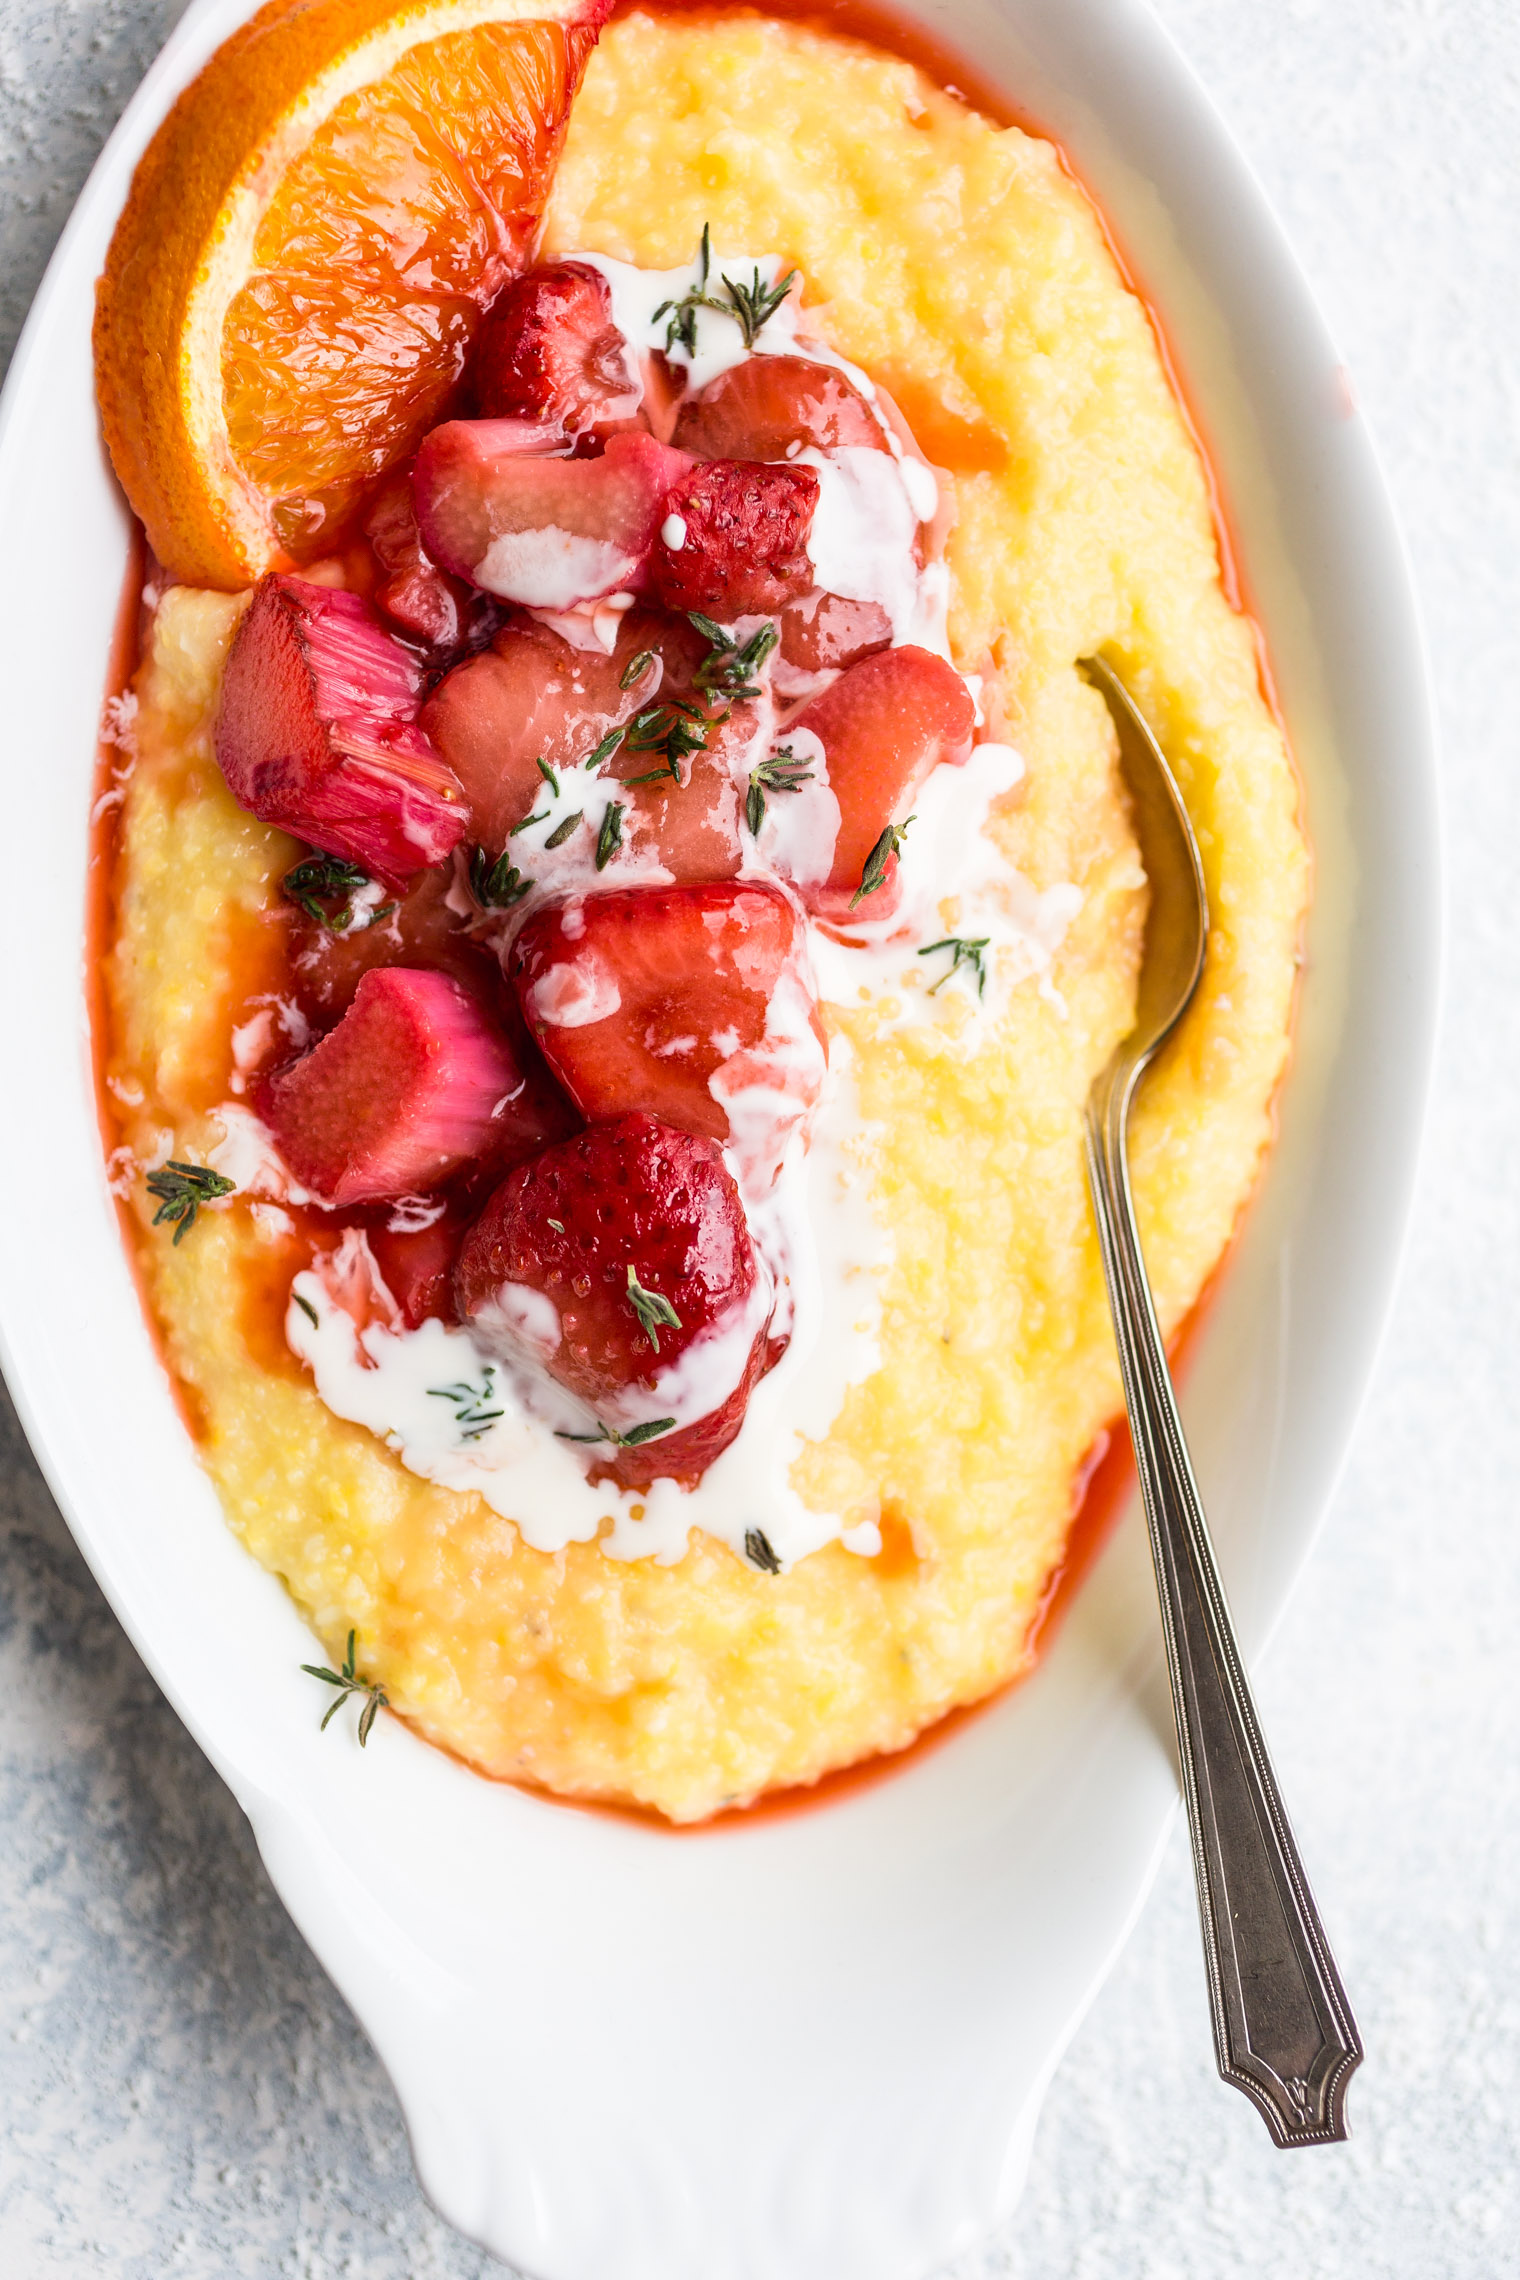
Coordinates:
column 309, row 242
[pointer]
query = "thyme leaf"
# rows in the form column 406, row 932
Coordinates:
column 967, row 950
column 544, row 769
column 632, row 1439
column 324, row 880
column 607, row 747
column 610, row 838
column 541, row 817
column 473, row 1417
column 495, row 881
column 654, row 1311
column 880, row 856
column 348, row 1683
column 562, row 831
column 779, row 771
column 730, row 667
column 307, row 1309
column 675, row 729
column 759, row 1550
column 181, row 1189
column 636, row 668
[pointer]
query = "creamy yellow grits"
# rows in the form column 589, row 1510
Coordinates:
column 957, row 263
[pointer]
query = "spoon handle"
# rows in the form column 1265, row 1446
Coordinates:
column 1283, row 2029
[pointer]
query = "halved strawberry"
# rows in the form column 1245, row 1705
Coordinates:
column 530, row 697
column 823, row 632
column 413, row 1082
column 621, row 1264
column 318, row 732
column 770, row 407
column 417, row 1266
column 550, row 351
column 690, row 827
column 883, row 725
column 412, row 591
column 546, row 532
column 693, row 1002
column 733, row 538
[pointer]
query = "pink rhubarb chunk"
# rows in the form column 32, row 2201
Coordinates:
column 318, row 733
column 413, row 1082
column 546, row 532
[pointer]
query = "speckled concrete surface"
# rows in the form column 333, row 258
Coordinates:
column 182, row 2091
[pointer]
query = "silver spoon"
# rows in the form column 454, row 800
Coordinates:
column 1283, row 2029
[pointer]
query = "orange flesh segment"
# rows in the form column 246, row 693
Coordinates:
column 389, row 235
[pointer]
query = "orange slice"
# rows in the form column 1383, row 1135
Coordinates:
column 309, row 241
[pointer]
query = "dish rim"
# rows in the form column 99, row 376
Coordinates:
column 520, row 2205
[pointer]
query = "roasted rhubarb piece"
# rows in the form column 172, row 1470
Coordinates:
column 733, row 539
column 693, row 1002
column 318, row 733
column 621, row 1264
column 546, row 532
column 412, row 591
column 413, row 1082
column 771, row 407
column 550, row 351
column 883, row 725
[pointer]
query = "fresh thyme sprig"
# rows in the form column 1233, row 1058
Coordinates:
column 752, row 305
column 634, row 1438
column 181, row 1189
column 654, row 1311
column 635, row 669
column 322, row 880
column 779, row 771
column 610, row 838
column 756, row 303
column 968, row 950
column 759, row 1550
column 730, row 666
column 348, row 1682
column 471, row 1415
column 677, row 729
column 880, row 856
column 495, row 881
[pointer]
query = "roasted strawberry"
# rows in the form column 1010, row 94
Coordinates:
column 417, row 1267
column 770, row 407
column 693, row 1002
column 684, row 815
column 413, row 1082
column 883, row 725
column 318, row 733
column 621, row 1264
column 822, row 632
column 733, row 538
column 534, row 697
column 412, row 591
column 546, row 532
column 550, row 351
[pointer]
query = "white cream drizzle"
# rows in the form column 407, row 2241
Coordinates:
column 955, row 880
column 822, row 1246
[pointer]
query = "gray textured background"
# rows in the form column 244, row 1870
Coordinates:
column 181, row 2090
